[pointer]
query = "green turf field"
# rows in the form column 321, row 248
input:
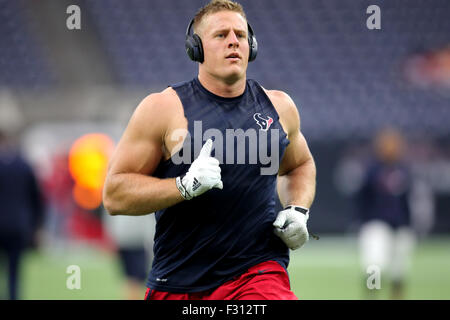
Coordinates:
column 329, row 269
column 323, row 269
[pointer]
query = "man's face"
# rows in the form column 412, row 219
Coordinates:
column 225, row 45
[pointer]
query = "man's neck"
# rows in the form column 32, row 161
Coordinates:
column 221, row 87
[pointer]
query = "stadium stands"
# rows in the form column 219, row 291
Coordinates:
column 346, row 79
column 22, row 60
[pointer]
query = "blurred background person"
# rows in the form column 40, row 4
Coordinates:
column 21, row 211
column 133, row 238
column 386, row 236
column 57, row 187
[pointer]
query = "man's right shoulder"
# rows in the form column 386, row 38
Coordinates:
column 159, row 109
column 166, row 101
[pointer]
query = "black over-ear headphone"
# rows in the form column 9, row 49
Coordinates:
column 194, row 47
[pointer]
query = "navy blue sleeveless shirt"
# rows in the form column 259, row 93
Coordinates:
column 201, row 243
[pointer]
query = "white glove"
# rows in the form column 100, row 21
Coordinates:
column 290, row 226
column 203, row 174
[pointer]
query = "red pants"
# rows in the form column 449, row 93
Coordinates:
column 264, row 281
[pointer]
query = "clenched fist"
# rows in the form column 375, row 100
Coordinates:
column 290, row 226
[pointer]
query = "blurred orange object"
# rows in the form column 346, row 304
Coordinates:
column 88, row 162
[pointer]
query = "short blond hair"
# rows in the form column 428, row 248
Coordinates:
column 215, row 6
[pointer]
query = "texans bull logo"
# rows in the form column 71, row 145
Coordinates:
column 263, row 123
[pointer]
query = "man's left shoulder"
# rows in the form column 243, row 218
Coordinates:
column 283, row 103
column 277, row 94
column 280, row 98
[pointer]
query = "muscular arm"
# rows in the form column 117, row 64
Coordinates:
column 296, row 184
column 129, row 187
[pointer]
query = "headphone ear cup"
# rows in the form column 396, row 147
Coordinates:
column 198, row 41
column 190, row 47
column 253, row 44
column 194, row 48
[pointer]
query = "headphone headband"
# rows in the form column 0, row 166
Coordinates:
column 188, row 30
column 194, row 47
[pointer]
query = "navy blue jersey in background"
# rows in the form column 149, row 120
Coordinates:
column 384, row 194
column 21, row 207
column 204, row 242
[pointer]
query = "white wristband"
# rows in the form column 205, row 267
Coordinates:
column 182, row 189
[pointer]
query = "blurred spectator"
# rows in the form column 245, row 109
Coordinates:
column 57, row 185
column 386, row 237
column 133, row 237
column 429, row 68
column 21, row 210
